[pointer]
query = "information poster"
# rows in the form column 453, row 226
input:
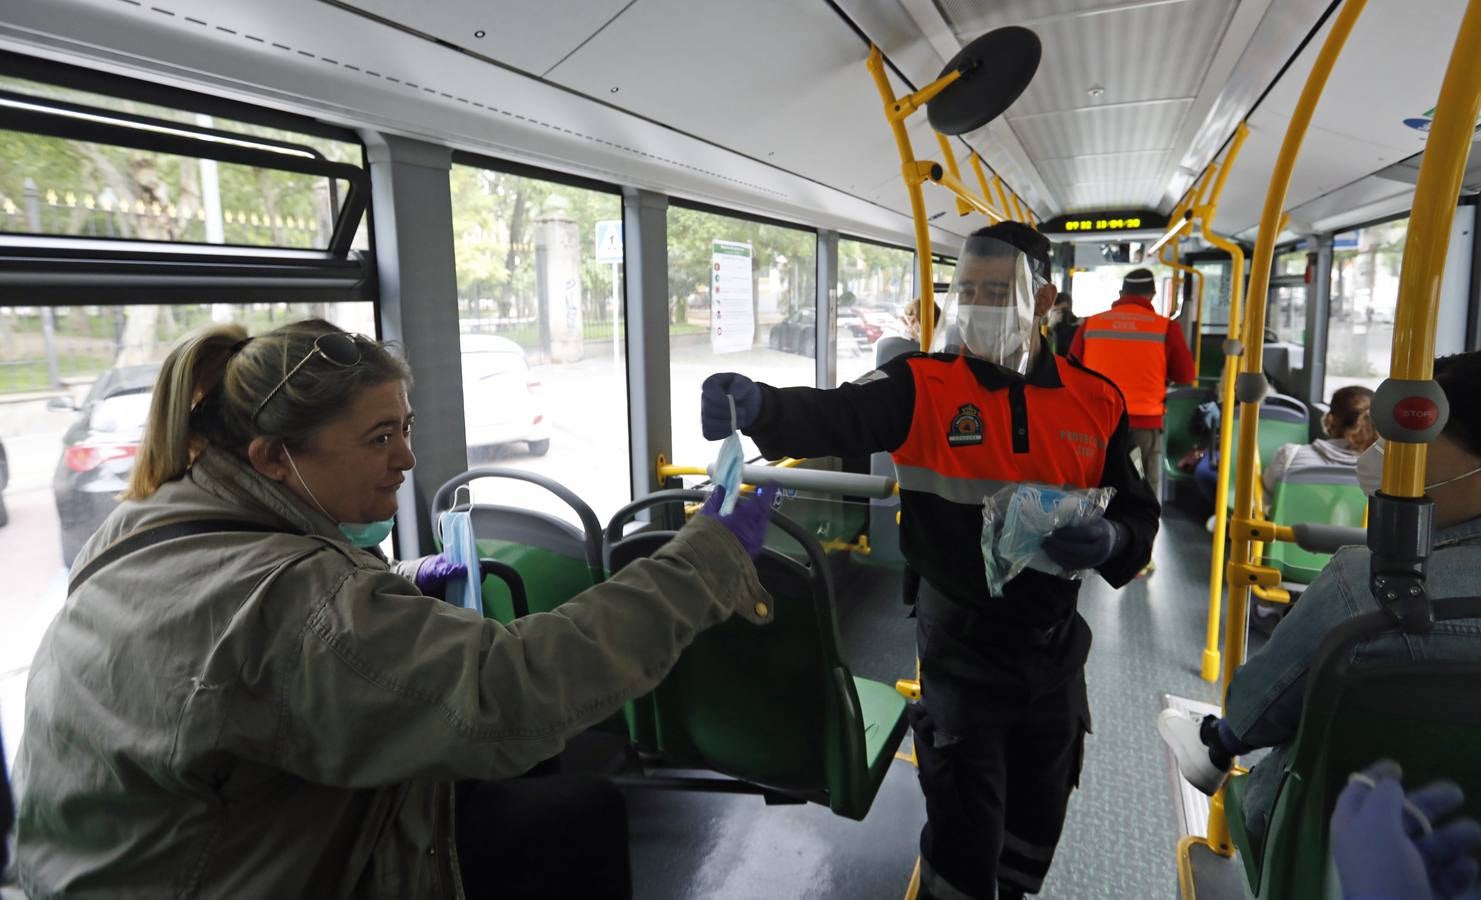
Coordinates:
column 732, row 317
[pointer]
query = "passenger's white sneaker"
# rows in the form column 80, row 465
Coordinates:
column 1181, row 734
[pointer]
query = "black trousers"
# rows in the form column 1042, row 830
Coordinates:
column 999, row 736
column 553, row 837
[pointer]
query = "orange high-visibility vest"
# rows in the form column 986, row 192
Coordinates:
column 1128, row 344
column 967, row 441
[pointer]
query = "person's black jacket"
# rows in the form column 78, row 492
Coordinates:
column 941, row 540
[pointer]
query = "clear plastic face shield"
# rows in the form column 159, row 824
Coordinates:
column 989, row 311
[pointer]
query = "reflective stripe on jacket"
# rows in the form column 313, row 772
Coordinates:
column 1128, row 344
column 283, row 715
column 966, row 441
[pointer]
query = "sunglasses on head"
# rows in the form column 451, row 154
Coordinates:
column 338, row 347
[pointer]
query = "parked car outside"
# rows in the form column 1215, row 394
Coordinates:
column 501, row 396
column 4, row 483
column 98, row 451
column 797, row 333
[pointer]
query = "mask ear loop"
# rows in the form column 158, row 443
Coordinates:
column 733, row 426
column 456, row 491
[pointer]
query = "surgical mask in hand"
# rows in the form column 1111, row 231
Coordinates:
column 995, row 333
column 367, row 534
column 729, row 464
column 460, row 546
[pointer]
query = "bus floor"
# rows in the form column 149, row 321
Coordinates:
column 1122, row 828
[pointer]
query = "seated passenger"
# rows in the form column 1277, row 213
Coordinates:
column 1265, row 696
column 277, row 711
column 910, row 317
column 1349, row 431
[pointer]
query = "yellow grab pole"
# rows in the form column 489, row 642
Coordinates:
column 895, row 111
column 976, row 163
column 1194, row 276
column 997, row 182
column 1252, row 377
column 1254, row 324
column 963, row 207
column 1440, row 174
column 1195, row 197
column 1210, row 664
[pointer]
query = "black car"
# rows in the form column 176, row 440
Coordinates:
column 796, row 333
column 98, row 451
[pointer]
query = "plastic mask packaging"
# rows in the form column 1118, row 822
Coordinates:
column 461, row 546
column 1017, row 518
column 730, row 464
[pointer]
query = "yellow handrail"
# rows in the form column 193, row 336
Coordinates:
column 895, row 111
column 1210, row 663
column 1440, row 174
column 1195, row 197
column 916, row 172
column 1241, row 546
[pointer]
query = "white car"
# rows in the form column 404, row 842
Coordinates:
column 501, row 399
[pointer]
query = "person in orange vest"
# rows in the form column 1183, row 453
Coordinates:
column 1141, row 351
column 1001, row 724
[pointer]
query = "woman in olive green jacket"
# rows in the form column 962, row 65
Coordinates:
column 280, row 712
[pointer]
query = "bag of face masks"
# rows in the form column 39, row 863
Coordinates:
column 1017, row 518
column 461, row 546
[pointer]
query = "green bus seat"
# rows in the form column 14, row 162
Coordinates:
column 774, row 706
column 556, row 560
column 1325, row 495
column 1283, row 420
column 1421, row 714
column 1177, row 431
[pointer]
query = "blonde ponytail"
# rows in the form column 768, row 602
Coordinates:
column 192, row 371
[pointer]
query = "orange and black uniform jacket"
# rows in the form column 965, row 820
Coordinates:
column 958, row 428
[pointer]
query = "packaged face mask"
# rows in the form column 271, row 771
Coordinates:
column 461, row 546
column 1017, row 518
column 730, row 464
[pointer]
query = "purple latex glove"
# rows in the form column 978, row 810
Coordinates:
column 433, row 573
column 1381, row 851
column 747, row 522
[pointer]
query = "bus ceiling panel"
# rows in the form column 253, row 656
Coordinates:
column 784, row 83
column 1261, row 36
column 342, row 67
column 1372, row 114
column 1105, row 59
column 918, row 42
column 1367, row 199
column 528, row 38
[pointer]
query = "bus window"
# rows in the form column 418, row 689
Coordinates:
column 541, row 329
column 742, row 298
column 874, row 285
column 1365, row 292
column 75, row 387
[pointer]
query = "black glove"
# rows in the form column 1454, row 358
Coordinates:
column 1086, row 546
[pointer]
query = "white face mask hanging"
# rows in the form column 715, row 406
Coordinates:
column 730, row 464
column 460, row 545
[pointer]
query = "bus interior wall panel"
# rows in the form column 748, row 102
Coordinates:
column 1388, row 74
column 355, row 72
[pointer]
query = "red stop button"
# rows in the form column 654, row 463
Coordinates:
column 1416, row 413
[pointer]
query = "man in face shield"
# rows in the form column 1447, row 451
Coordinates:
column 1000, row 728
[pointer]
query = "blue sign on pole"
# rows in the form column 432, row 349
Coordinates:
column 609, row 241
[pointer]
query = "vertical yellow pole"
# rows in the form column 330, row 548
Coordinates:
column 1254, row 323
column 1254, row 338
column 1210, row 664
column 1196, row 195
column 1440, row 174
column 949, row 158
